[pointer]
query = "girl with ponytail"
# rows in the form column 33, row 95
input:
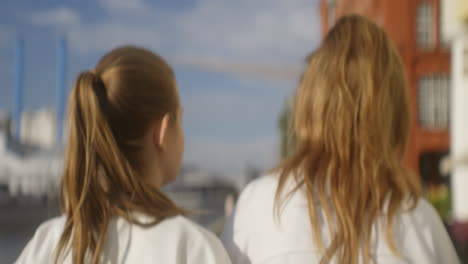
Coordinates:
column 125, row 142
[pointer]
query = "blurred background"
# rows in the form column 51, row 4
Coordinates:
column 237, row 64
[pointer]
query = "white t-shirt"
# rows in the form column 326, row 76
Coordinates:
column 254, row 235
column 175, row 240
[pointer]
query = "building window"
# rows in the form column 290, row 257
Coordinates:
column 444, row 43
column 433, row 101
column 425, row 25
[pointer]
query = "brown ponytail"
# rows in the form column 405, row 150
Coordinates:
column 110, row 108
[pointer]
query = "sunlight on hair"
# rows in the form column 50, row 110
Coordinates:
column 351, row 121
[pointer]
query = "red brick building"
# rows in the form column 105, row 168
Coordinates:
column 414, row 26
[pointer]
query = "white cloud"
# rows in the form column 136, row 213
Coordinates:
column 273, row 31
column 268, row 30
column 62, row 17
column 104, row 36
column 85, row 38
column 135, row 7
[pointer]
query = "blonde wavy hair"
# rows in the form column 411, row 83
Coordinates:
column 351, row 122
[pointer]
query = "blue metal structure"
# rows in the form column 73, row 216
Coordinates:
column 19, row 87
column 61, row 86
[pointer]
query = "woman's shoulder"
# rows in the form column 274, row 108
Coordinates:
column 256, row 202
column 422, row 213
column 197, row 241
column 185, row 227
column 260, row 195
column 55, row 223
column 40, row 248
column 201, row 244
column 263, row 187
column 422, row 221
column 422, row 235
column 50, row 230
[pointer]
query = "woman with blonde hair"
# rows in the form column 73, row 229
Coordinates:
column 125, row 142
column 344, row 195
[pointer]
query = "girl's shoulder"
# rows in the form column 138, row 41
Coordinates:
column 41, row 248
column 184, row 237
column 259, row 195
column 185, row 229
column 175, row 236
column 263, row 187
column 256, row 204
column 422, row 236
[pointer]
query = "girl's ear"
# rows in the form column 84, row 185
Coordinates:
column 160, row 131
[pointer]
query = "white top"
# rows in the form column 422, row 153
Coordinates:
column 173, row 241
column 254, row 235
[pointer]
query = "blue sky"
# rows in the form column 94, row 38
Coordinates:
column 227, row 55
